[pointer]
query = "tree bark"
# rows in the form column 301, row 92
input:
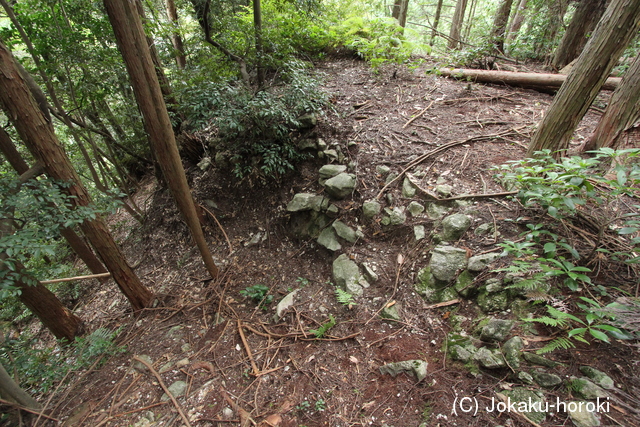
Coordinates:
column 500, row 25
column 176, row 39
column 548, row 83
column 619, row 24
column 400, row 8
column 39, row 137
column 436, row 21
column 257, row 26
column 517, row 21
column 621, row 113
column 575, row 38
column 456, row 24
column 135, row 52
column 12, row 392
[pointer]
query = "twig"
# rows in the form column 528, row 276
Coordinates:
column 166, row 390
column 24, row 408
column 256, row 371
column 219, row 226
column 418, row 115
column 444, row 304
column 479, row 196
column 245, row 417
column 71, row 279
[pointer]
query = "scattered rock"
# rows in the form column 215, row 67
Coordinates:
column 463, row 284
column 581, row 415
column 392, row 312
column 371, row 208
column 307, row 121
column 346, row 274
column 182, row 363
column 546, row 380
column 369, row 273
column 284, row 304
column 444, row 190
column 530, row 399
column 598, row 377
column 535, row 359
column 512, row 350
column 446, row 261
column 584, row 388
column 177, row 389
column 329, row 239
column 139, row 366
column 490, row 359
column 496, row 330
column 390, row 178
column 416, row 367
column 483, row 229
column 415, row 208
column 383, row 169
column 460, row 353
column 408, row 189
column 306, row 202
column 418, row 232
column 454, row 226
column 480, row 262
column 436, row 210
column 396, row 216
column 332, row 211
column 307, row 144
column 329, row 171
column 341, row 185
column 491, row 302
column 344, row 231
column 525, row 377
column 204, row 164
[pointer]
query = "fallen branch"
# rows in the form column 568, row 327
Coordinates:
column 166, row 390
column 219, row 226
column 256, row 371
column 537, row 81
column 418, row 115
column 480, row 196
column 24, row 408
column 444, row 304
column 245, row 417
column 71, row 279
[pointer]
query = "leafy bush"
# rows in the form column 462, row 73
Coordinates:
column 259, row 294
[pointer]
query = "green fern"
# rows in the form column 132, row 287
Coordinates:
column 345, row 298
column 322, row 330
column 558, row 343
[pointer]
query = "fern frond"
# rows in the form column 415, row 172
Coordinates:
column 344, row 297
column 560, row 342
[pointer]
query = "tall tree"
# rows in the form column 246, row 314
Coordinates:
column 257, row 26
column 584, row 20
column 38, row 135
column 516, row 22
column 129, row 33
column 400, row 9
column 619, row 24
column 456, row 24
column 500, row 25
column 621, row 113
column 12, row 392
column 176, row 38
column 436, row 22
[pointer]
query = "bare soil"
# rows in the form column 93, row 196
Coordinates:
column 279, row 374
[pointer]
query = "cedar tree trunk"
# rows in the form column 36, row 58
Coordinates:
column 517, row 21
column 500, row 25
column 176, row 39
column 12, row 392
column 436, row 21
column 135, row 52
column 456, row 24
column 619, row 24
column 39, row 137
column 621, row 113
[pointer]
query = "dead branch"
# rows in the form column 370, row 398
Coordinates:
column 71, row 279
column 418, row 115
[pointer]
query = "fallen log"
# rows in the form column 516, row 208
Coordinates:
column 548, row 83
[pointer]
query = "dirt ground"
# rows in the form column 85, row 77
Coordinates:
column 241, row 367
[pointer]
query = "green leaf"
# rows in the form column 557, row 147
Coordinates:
column 577, row 331
column 599, row 335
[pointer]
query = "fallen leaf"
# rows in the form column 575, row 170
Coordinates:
column 272, row 420
column 353, row 359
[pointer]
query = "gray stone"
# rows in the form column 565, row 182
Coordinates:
column 177, row 389
column 344, row 231
column 369, row 273
column 581, row 415
column 390, row 177
column 598, row 377
column 346, row 274
column 512, row 350
column 165, row 368
column 408, row 189
column 525, row 377
column 536, row 359
column 492, row 302
column 332, row 211
column 546, row 380
column 329, row 239
column 444, row 190
column 416, row 367
column 436, row 210
column 529, row 399
column 460, row 353
column 341, row 185
column 383, row 169
column 483, row 229
column 222, row 159
column 307, row 121
column 306, row 202
column 418, row 232
column 332, row 154
column 480, row 262
column 371, row 208
column 584, row 388
column 322, row 144
column 415, row 208
column 139, row 366
column 307, row 144
column 392, row 312
column 496, row 330
column 329, row 171
column 489, row 359
column 446, row 261
column 493, row 285
column 464, row 283
column 204, row 163
column 175, row 333
column 454, row 226
column 284, row 304
column 309, row 224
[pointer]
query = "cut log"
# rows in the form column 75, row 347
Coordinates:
column 548, row 83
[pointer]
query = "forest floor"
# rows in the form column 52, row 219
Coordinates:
column 241, row 367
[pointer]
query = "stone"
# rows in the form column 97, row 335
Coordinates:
column 306, row 202
column 331, row 154
column 489, row 359
column 492, row 302
column 204, row 164
column 307, row 121
column 332, row 211
column 415, row 208
column 175, row 333
column 545, row 379
column 525, row 377
column 598, row 377
column 463, row 284
column 346, row 274
column 139, row 366
column 512, row 350
column 284, row 304
column 460, row 353
column 444, row 190
column 392, row 312
column 584, row 388
column 341, row 185
column 446, row 261
column 454, row 226
column 408, row 189
column 390, row 178
column 436, row 210
column 177, row 389
column 322, row 144
column 371, row 208
column 329, row 171
column 344, row 231
column 581, row 415
column 396, row 215
column 536, row 359
column 307, row 144
column 329, row 239
column 418, row 232
column 383, row 170
column 369, row 273
column 483, row 229
column 309, row 224
column 530, row 399
column 227, row 413
column 416, row 367
column 182, row 363
column 496, row 330
column 480, row 262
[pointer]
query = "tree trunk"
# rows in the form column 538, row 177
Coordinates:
column 456, row 24
column 470, row 18
column 619, row 24
column 555, row 16
column 39, row 137
column 400, row 8
column 132, row 44
column 500, row 25
column 176, row 39
column 575, row 38
column 12, row 392
column 436, row 21
column 257, row 26
column 517, row 21
column 621, row 113
column 547, row 83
